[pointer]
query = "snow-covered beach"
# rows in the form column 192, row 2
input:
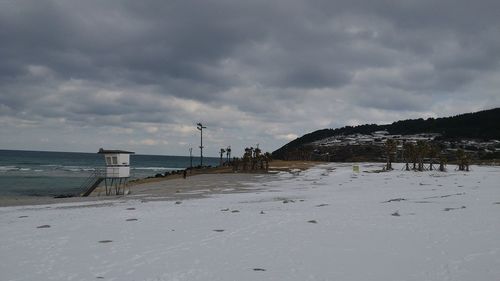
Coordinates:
column 325, row 223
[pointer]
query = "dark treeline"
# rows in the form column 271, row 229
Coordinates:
column 483, row 125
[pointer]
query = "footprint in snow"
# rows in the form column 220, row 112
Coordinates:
column 43, row 226
column 105, row 241
column 395, row 200
column 448, row 195
column 451, row 209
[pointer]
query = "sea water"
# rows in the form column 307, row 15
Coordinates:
column 41, row 173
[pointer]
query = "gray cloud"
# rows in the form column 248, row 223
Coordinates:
column 142, row 73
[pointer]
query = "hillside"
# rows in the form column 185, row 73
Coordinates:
column 482, row 125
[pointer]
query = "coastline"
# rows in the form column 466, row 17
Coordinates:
column 201, row 183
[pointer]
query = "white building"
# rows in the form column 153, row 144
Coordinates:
column 117, row 163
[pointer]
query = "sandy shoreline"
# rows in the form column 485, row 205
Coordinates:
column 201, row 184
column 172, row 189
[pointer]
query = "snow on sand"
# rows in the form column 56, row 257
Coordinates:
column 326, row 223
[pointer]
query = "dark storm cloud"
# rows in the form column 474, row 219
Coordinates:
column 264, row 63
column 170, row 43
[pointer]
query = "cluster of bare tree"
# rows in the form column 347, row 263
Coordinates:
column 252, row 160
column 463, row 160
column 391, row 147
column 422, row 155
column 227, row 151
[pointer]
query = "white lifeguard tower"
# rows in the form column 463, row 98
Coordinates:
column 115, row 175
column 117, row 163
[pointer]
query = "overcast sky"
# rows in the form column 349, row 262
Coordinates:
column 138, row 75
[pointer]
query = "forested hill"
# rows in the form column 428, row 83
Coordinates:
column 483, row 125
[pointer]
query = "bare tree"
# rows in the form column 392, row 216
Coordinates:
column 222, row 151
column 463, row 160
column 408, row 151
column 422, row 148
column 267, row 159
column 442, row 163
column 228, row 154
column 460, row 159
column 390, row 150
column 434, row 151
column 247, row 157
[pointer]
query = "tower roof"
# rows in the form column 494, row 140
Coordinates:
column 113, row 151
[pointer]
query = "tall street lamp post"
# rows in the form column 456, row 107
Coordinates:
column 191, row 157
column 200, row 127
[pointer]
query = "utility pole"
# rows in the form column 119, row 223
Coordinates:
column 200, row 127
column 191, row 157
